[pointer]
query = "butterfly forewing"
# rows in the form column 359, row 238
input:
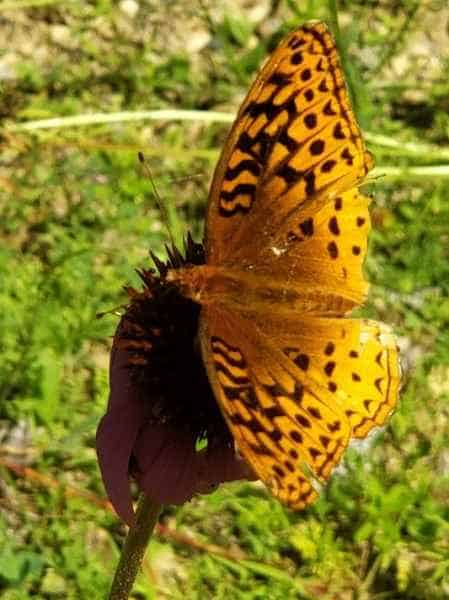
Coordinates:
column 294, row 144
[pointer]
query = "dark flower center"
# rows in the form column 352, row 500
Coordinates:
column 160, row 331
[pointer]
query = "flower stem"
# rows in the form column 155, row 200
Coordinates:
column 133, row 551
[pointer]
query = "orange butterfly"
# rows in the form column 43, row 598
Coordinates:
column 286, row 236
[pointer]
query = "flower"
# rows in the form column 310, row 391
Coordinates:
column 161, row 404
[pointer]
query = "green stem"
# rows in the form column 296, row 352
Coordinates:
column 122, row 117
column 333, row 18
column 414, row 148
column 407, row 173
column 133, row 551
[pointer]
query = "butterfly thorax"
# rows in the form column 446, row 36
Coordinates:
column 251, row 291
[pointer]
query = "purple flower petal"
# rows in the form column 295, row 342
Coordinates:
column 166, row 465
column 117, row 433
column 171, row 471
column 218, row 465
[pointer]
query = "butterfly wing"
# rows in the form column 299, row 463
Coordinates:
column 287, row 225
column 295, row 144
column 294, row 393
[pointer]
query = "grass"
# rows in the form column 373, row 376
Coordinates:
column 78, row 216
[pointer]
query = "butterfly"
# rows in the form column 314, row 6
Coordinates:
column 286, row 236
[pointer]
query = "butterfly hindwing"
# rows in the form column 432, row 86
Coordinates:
column 356, row 360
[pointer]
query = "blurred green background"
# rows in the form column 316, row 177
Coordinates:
column 78, row 216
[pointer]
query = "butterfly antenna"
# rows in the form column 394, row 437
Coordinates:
column 160, row 203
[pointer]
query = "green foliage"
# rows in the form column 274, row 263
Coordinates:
column 78, row 216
